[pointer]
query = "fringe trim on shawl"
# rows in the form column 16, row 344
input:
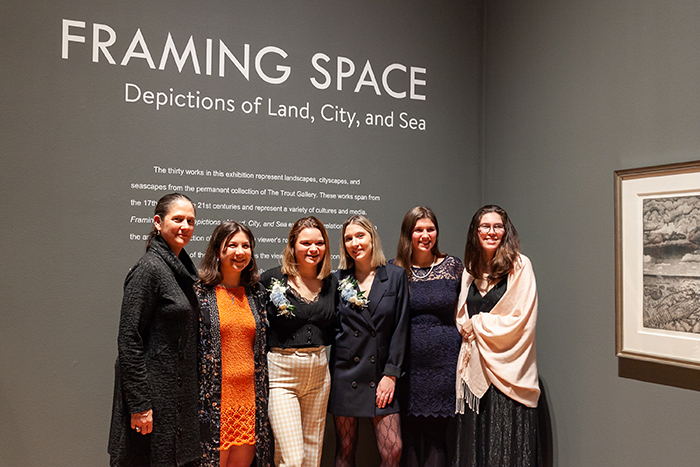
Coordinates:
column 465, row 397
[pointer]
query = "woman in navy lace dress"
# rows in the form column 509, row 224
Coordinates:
column 434, row 341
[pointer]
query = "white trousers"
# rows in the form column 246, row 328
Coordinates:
column 299, row 386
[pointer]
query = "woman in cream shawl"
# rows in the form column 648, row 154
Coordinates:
column 497, row 385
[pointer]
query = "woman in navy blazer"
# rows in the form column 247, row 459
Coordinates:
column 370, row 343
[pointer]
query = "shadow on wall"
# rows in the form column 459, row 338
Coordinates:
column 545, row 426
column 659, row 373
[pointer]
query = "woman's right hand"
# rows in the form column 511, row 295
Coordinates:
column 467, row 331
column 142, row 422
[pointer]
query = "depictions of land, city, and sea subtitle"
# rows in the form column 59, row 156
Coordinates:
column 672, row 263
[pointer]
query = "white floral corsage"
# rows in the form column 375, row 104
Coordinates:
column 279, row 299
column 349, row 292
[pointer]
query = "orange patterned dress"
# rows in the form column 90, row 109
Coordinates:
column 237, row 368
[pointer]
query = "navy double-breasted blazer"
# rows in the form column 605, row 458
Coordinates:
column 369, row 343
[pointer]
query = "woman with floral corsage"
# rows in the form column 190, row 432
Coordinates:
column 232, row 353
column 301, row 312
column 370, row 343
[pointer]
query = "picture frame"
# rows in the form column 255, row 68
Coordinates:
column 657, row 264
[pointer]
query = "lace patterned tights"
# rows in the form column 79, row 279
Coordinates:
column 387, row 430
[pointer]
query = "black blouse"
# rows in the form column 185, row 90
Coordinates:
column 311, row 325
column 478, row 304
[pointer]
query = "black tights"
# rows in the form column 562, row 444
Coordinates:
column 432, row 432
column 387, row 430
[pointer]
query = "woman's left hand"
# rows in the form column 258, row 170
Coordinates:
column 385, row 391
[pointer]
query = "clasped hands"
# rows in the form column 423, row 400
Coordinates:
column 142, row 422
column 467, row 331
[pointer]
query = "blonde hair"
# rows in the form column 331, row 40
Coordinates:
column 378, row 258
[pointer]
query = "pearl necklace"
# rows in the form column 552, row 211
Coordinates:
column 415, row 273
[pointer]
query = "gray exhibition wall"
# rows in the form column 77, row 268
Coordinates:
column 574, row 91
column 107, row 106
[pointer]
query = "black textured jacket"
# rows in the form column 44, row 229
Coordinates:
column 157, row 363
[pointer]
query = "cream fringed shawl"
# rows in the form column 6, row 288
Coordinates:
column 501, row 350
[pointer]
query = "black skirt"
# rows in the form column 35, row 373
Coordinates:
column 503, row 434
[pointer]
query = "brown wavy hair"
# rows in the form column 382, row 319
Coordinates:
column 162, row 209
column 506, row 256
column 289, row 261
column 210, row 269
column 404, row 251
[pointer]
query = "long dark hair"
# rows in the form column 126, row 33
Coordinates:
column 506, row 255
column 404, row 251
column 162, row 209
column 210, row 270
column 289, row 261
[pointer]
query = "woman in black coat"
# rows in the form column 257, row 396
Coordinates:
column 154, row 413
column 370, row 343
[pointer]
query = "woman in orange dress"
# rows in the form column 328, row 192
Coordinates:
column 232, row 352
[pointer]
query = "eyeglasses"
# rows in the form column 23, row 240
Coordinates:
column 485, row 228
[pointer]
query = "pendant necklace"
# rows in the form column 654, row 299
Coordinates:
column 228, row 292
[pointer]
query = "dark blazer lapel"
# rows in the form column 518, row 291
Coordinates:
column 379, row 287
column 368, row 317
column 365, row 310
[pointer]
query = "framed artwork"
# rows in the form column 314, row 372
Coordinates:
column 657, row 264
